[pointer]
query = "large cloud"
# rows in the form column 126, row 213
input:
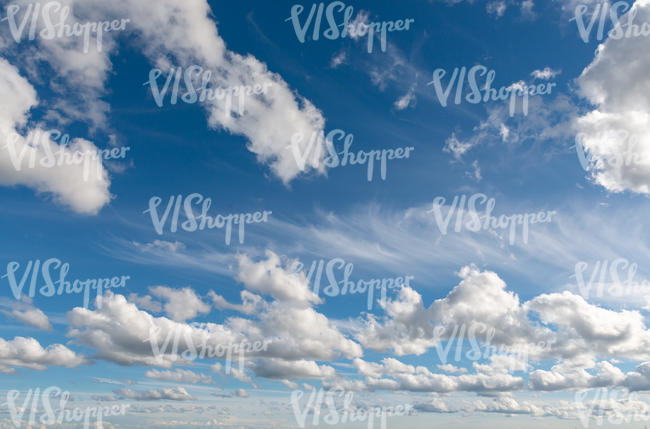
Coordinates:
column 615, row 135
column 173, row 34
column 83, row 191
column 122, row 333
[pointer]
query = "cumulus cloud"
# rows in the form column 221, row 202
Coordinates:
column 26, row 313
column 290, row 329
column 297, row 370
column 181, row 304
column 145, row 302
column 28, row 152
column 560, row 326
column 181, row 36
column 614, row 135
column 271, row 278
column 28, row 353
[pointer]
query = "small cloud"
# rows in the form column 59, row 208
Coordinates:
column 171, row 247
column 338, row 59
column 145, row 302
column 546, row 74
column 174, row 394
column 527, row 9
column 452, row 369
column 496, row 8
column 476, row 174
column 26, row 313
column 406, row 100
column 456, row 147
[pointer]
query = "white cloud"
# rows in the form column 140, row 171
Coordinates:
column 338, row 59
column 179, row 375
column 452, row 369
column 187, row 34
column 180, row 35
column 67, row 183
column 28, row 353
column 619, row 88
column 527, row 9
column 251, row 302
column 145, row 302
column 181, row 304
column 25, row 312
column 296, row 370
column 269, row 277
column 406, row 100
column 457, row 147
column 545, row 74
column 122, row 333
column 496, row 8
column 172, row 394
column 169, row 246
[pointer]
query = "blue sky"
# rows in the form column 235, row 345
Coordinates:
column 511, row 292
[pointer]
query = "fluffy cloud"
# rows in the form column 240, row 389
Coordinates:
column 479, row 306
column 570, row 376
column 121, row 332
column 182, row 304
column 68, row 184
column 25, row 312
column 271, row 278
column 615, row 134
column 183, row 35
column 28, row 353
column 583, row 328
column 558, row 325
column 420, row 379
column 297, row 370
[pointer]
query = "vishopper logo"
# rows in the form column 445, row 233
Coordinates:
column 601, row 13
column 347, row 286
column 31, row 414
column 632, row 156
column 204, row 220
column 479, row 344
column 614, row 279
column 470, row 219
column 314, row 148
column 343, row 413
column 185, row 347
column 479, row 337
column 39, row 151
column 196, row 82
column 54, row 16
column 337, row 11
column 616, row 406
column 460, row 76
column 53, row 268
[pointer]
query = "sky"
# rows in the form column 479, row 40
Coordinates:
column 257, row 214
